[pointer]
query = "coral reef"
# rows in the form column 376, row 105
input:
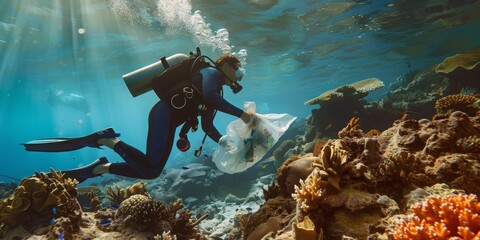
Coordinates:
column 357, row 185
column 327, row 121
column 442, row 218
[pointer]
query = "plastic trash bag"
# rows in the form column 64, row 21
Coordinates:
column 243, row 145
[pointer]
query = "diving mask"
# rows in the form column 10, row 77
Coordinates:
column 239, row 73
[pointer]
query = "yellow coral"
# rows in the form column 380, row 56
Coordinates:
column 455, row 102
column 442, row 218
column 311, row 191
column 305, row 230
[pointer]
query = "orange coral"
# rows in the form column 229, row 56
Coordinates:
column 442, row 218
column 455, row 102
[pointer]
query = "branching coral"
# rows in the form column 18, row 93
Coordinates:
column 442, row 218
column 272, row 191
column 165, row 236
column 456, row 102
column 333, row 162
column 352, row 129
column 311, row 191
column 118, row 195
column 469, row 144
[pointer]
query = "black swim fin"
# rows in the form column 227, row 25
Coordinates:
column 69, row 144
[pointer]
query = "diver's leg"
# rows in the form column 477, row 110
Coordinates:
column 160, row 138
column 159, row 143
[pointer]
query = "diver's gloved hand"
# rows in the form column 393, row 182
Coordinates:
column 248, row 118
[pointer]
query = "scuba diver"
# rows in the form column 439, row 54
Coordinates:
column 203, row 97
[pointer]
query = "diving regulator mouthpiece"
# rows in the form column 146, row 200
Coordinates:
column 236, row 88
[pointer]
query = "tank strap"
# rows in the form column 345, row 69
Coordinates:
column 164, row 62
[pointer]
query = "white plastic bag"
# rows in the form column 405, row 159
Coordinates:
column 243, row 146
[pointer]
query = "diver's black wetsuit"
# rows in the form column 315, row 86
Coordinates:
column 162, row 124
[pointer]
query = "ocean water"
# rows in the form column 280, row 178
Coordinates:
column 62, row 61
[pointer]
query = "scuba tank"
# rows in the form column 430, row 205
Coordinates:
column 140, row 80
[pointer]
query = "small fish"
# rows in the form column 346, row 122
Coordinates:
column 116, row 206
column 184, row 168
column 87, row 207
column 60, row 236
column 105, row 222
column 264, row 166
column 54, row 210
column 205, row 155
column 249, row 209
column 52, row 220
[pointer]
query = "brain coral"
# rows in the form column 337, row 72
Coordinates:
column 442, row 218
column 150, row 211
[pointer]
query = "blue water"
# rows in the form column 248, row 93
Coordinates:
column 62, row 61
